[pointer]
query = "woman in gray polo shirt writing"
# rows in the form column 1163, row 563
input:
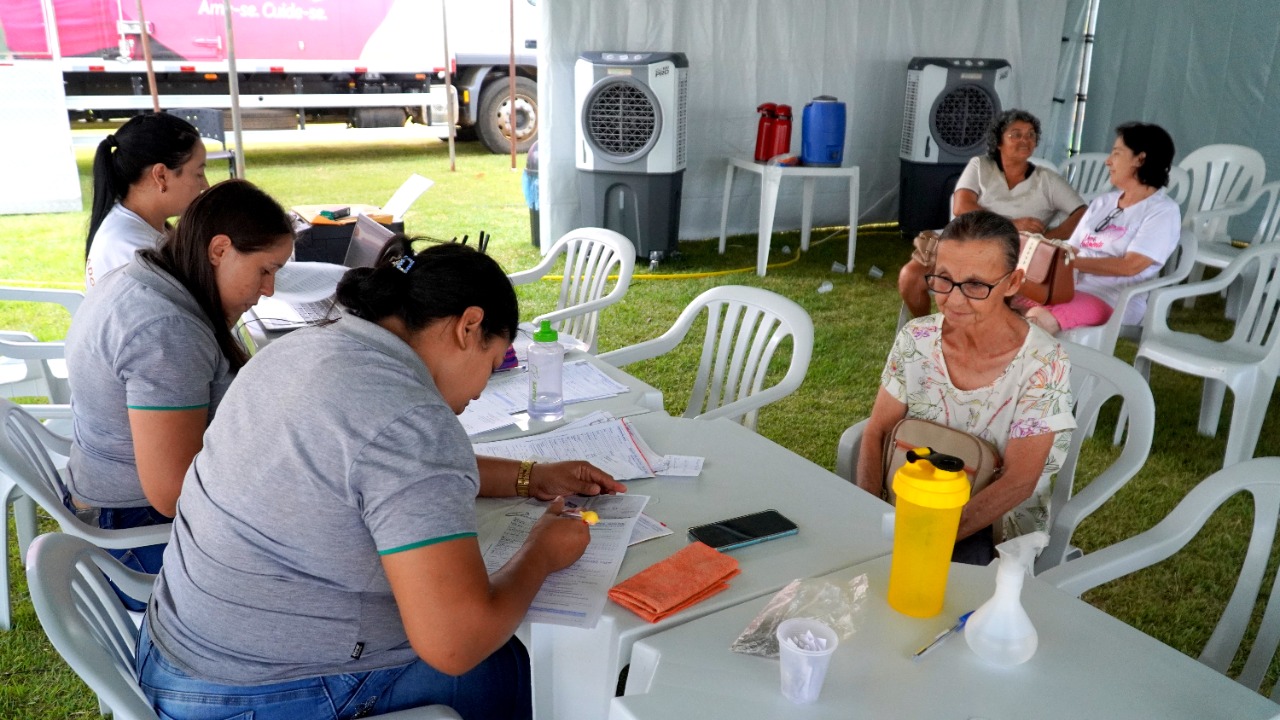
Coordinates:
column 150, row 353
column 324, row 560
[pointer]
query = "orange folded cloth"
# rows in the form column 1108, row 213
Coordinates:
column 688, row 577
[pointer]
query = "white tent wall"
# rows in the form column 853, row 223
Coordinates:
column 744, row 52
column 1206, row 72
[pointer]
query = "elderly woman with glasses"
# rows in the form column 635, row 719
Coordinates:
column 1006, row 182
column 979, row 367
column 1126, row 235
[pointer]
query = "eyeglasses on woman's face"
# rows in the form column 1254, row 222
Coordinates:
column 972, row 289
column 1017, row 135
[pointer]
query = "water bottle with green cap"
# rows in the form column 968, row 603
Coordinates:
column 932, row 489
column 546, row 375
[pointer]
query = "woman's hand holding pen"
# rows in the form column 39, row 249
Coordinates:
column 572, row 477
column 557, row 539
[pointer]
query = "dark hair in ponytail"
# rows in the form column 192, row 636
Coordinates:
column 125, row 155
column 242, row 212
column 442, row 281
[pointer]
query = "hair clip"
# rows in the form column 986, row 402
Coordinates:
column 404, row 264
column 482, row 244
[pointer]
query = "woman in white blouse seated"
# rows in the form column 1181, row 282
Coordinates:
column 1006, row 182
column 1126, row 235
column 143, row 174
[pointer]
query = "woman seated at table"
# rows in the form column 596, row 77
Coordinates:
column 150, row 354
column 1126, row 235
column 143, row 174
column 324, row 560
column 1006, row 182
column 979, row 367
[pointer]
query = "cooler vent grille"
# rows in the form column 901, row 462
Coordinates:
column 962, row 117
column 621, row 119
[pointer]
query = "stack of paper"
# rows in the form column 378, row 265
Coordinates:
column 602, row 440
column 610, row 446
column 576, row 595
column 582, row 382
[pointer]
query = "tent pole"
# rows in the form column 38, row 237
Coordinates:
column 233, row 79
column 511, row 78
column 450, row 120
column 1082, row 85
column 146, row 54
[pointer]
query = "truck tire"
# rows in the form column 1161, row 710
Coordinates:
column 377, row 117
column 495, row 104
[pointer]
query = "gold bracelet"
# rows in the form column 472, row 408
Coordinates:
column 522, row 478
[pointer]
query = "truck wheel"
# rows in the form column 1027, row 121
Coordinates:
column 495, row 106
column 377, row 117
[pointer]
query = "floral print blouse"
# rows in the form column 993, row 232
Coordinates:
column 1031, row 397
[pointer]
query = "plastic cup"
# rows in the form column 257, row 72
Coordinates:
column 803, row 671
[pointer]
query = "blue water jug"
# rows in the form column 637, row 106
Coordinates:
column 822, row 142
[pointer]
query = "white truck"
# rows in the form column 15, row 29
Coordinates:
column 374, row 62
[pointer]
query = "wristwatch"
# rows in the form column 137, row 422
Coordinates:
column 522, row 478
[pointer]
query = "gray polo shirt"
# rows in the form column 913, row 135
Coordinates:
column 138, row 341
column 333, row 447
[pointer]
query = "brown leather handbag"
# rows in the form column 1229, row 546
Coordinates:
column 1046, row 264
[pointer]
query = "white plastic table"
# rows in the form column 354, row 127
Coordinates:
column 576, row 671
column 1088, row 665
column 770, row 178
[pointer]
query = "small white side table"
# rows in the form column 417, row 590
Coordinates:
column 770, row 178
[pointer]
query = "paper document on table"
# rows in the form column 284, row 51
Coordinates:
column 307, row 281
column 481, row 416
column 574, row 596
column 303, row 294
column 582, row 382
column 609, row 446
column 647, row 529
column 679, row 466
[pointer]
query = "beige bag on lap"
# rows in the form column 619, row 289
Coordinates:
column 982, row 461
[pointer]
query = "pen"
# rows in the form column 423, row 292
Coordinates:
column 942, row 636
column 590, row 517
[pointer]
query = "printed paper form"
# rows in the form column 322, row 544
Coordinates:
column 609, row 446
column 481, row 416
column 576, row 595
column 647, row 529
column 582, row 382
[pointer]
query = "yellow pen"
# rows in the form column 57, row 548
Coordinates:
column 590, row 517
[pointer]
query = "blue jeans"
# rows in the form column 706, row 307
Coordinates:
column 498, row 689
column 148, row 558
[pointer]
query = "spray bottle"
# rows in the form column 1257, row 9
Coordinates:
column 1000, row 631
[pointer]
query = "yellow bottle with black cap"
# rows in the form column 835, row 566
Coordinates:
column 932, row 490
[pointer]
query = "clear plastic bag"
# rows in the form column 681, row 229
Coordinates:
column 839, row 606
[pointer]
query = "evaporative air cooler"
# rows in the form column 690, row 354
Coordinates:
column 950, row 104
column 630, row 149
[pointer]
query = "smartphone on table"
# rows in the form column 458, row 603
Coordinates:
column 744, row 530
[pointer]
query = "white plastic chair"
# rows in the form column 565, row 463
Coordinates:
column 1222, row 178
column 745, row 326
column 1247, row 362
column 27, row 366
column 1179, row 188
column 591, row 256
column 1104, row 337
column 1261, row 479
column 93, row 632
column 1087, row 173
column 30, row 455
column 1218, row 252
column 1095, row 378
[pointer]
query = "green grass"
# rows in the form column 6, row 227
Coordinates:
column 1176, row 602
